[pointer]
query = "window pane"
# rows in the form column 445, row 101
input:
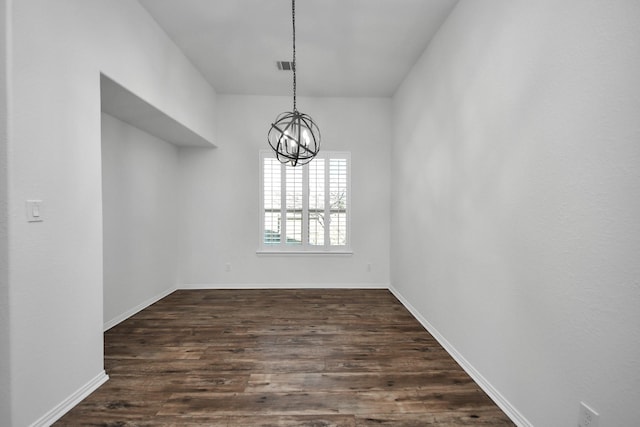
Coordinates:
column 338, row 229
column 338, row 201
column 316, row 202
column 306, row 207
column 272, row 201
column 294, row 205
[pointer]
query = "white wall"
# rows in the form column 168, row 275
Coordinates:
column 5, row 378
column 220, row 210
column 516, row 198
column 58, row 51
column 140, row 207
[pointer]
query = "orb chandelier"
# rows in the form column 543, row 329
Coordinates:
column 294, row 136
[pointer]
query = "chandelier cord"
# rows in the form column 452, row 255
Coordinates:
column 294, row 137
column 293, row 20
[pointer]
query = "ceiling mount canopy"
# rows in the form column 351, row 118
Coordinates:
column 294, row 136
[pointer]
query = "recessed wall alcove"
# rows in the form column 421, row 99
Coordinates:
column 140, row 200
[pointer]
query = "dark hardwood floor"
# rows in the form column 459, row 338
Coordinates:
column 280, row 358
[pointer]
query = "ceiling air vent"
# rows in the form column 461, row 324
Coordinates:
column 285, row 65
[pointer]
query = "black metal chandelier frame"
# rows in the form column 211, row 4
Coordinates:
column 294, row 136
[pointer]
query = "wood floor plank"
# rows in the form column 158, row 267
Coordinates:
column 360, row 381
column 280, row 358
column 396, row 420
column 293, row 421
column 476, row 416
column 301, row 403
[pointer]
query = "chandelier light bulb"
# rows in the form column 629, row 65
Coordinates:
column 295, row 138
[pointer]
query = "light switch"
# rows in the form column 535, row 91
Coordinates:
column 34, row 211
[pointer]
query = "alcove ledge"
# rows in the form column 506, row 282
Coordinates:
column 123, row 104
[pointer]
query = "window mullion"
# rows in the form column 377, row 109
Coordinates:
column 305, row 206
column 327, row 205
column 283, row 206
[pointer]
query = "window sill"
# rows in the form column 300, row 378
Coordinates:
column 341, row 252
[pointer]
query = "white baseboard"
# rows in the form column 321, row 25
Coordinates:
column 485, row 385
column 284, row 286
column 124, row 316
column 66, row 405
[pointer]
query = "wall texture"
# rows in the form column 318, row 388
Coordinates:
column 139, row 205
column 516, row 198
column 220, row 190
column 58, row 51
column 5, row 337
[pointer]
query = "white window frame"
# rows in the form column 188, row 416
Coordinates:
column 305, row 248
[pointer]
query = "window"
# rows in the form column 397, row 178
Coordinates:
column 306, row 208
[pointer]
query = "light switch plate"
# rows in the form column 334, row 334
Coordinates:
column 35, row 211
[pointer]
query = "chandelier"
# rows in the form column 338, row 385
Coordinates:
column 294, row 136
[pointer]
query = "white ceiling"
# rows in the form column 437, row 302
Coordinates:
column 343, row 47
